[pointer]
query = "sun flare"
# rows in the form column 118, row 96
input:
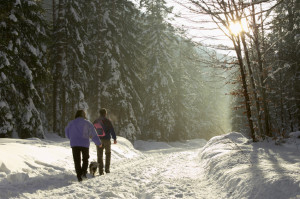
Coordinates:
column 236, row 27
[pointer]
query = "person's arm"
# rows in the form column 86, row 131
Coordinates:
column 112, row 132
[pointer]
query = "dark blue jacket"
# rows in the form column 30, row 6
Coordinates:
column 108, row 128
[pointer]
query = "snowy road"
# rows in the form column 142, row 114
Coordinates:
column 226, row 167
column 171, row 172
column 172, row 175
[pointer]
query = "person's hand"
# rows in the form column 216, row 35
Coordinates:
column 100, row 145
column 115, row 141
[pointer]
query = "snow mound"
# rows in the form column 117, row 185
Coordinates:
column 18, row 178
column 18, row 156
column 4, row 169
column 295, row 134
column 245, row 169
column 124, row 149
column 35, row 157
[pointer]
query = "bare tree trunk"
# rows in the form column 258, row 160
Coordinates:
column 238, row 12
column 55, row 78
column 223, row 14
column 252, row 83
column 281, row 103
column 99, row 88
column 54, row 103
column 63, row 109
column 292, row 10
column 245, row 88
column 53, row 13
column 100, row 61
column 261, row 72
column 58, row 65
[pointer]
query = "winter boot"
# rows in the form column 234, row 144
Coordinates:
column 101, row 172
column 79, row 178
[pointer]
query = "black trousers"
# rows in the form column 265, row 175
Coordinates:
column 77, row 151
column 106, row 145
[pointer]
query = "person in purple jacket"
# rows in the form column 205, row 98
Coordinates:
column 79, row 131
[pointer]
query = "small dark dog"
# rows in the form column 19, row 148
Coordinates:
column 93, row 168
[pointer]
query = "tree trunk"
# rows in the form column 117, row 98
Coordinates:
column 245, row 87
column 58, row 65
column 252, row 83
column 63, row 109
column 55, row 103
column 262, row 75
column 53, row 13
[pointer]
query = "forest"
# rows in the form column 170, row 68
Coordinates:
column 156, row 82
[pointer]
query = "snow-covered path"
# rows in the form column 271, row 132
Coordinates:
column 227, row 167
column 171, row 175
column 167, row 172
column 152, row 175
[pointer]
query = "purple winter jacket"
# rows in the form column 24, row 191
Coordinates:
column 79, row 132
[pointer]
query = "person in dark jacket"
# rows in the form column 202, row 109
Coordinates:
column 79, row 131
column 105, row 140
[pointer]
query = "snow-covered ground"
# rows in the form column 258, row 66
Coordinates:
column 227, row 166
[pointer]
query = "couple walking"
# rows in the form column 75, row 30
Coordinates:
column 79, row 131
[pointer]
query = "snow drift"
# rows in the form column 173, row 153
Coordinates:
column 244, row 169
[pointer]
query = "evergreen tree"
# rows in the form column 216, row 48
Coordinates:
column 58, row 60
column 114, row 64
column 94, row 51
column 284, row 74
column 23, row 47
column 75, row 74
column 70, row 71
column 182, row 113
column 159, row 104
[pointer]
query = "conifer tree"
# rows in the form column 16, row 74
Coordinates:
column 284, row 74
column 114, row 63
column 23, row 47
column 58, row 61
column 159, row 104
column 94, row 52
column 75, row 74
column 70, row 69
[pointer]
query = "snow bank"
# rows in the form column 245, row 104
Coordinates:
column 245, row 169
column 17, row 156
column 21, row 159
column 294, row 135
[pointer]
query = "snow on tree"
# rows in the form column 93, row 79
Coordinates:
column 92, row 42
column 23, row 37
column 70, row 66
column 75, row 74
column 283, row 72
column 58, row 62
column 159, row 104
column 113, row 65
